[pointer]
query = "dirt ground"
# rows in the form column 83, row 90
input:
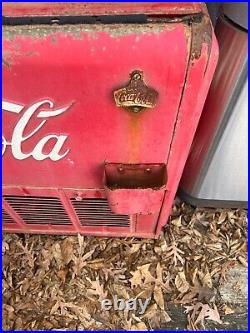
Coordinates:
column 195, row 276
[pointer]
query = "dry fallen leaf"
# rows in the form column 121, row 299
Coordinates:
column 62, row 274
column 151, row 312
column 158, row 296
column 67, row 250
column 139, row 327
column 141, row 276
column 200, row 312
column 57, row 282
column 97, row 289
column 243, row 261
column 174, row 253
column 177, row 222
column 227, row 310
column 181, row 283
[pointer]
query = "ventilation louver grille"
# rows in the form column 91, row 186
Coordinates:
column 6, row 218
column 39, row 210
column 50, row 211
column 96, row 212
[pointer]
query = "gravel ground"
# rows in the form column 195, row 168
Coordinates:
column 59, row 282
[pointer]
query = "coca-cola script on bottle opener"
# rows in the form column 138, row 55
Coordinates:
column 56, row 153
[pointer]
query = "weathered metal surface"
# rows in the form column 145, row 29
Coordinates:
column 136, row 96
column 80, row 31
column 90, row 123
column 199, row 76
column 101, row 8
column 61, row 125
column 202, row 34
column 135, row 188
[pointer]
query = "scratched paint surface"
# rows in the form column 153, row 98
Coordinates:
column 81, row 70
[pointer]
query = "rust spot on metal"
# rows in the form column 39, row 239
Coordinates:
column 201, row 34
column 53, row 39
column 188, row 35
column 136, row 96
column 5, row 63
column 134, row 139
column 98, row 194
column 78, row 31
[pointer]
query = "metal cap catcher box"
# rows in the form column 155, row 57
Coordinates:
column 100, row 105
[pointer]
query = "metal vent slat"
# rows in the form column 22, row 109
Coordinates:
column 39, row 210
column 33, row 203
column 6, row 218
column 31, row 198
column 96, row 212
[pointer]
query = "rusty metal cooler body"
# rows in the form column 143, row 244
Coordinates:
column 100, row 105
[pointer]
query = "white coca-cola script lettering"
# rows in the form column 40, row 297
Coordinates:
column 18, row 137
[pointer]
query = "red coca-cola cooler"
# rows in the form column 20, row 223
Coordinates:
column 100, row 105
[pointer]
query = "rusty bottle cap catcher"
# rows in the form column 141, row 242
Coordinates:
column 136, row 96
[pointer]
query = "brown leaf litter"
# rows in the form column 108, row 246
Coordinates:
column 58, row 282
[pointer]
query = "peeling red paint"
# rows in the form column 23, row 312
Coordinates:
column 80, row 66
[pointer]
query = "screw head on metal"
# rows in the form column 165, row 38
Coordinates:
column 78, row 196
column 120, row 169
